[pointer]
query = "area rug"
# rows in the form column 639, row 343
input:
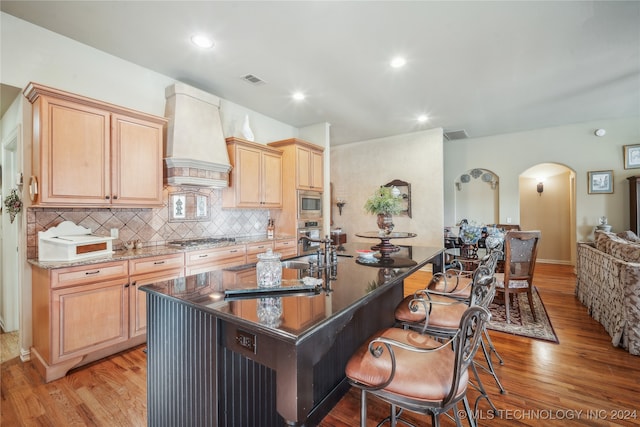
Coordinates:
column 522, row 322
column 9, row 347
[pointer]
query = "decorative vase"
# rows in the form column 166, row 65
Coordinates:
column 246, row 129
column 385, row 224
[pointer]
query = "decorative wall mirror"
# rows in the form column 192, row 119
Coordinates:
column 189, row 206
column 405, row 194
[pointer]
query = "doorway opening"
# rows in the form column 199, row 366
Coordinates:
column 548, row 203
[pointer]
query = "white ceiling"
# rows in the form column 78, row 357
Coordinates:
column 485, row 67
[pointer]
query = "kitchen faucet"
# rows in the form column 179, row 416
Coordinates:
column 329, row 250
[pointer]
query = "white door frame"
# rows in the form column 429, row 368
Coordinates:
column 10, row 278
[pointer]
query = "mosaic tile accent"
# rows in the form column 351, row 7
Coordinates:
column 149, row 225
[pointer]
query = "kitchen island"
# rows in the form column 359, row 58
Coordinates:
column 223, row 358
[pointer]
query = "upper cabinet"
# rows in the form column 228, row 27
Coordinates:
column 256, row 178
column 90, row 153
column 306, row 159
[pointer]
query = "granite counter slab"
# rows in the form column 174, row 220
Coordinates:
column 149, row 251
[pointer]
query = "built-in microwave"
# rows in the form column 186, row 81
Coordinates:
column 309, row 204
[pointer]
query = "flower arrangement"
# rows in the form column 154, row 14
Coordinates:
column 13, row 204
column 470, row 234
column 384, row 202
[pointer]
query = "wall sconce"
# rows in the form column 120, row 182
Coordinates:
column 340, row 203
column 540, row 188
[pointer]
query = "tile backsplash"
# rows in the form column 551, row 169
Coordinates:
column 149, row 225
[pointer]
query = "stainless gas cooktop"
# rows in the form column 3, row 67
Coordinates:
column 201, row 241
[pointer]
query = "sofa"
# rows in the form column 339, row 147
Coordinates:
column 608, row 284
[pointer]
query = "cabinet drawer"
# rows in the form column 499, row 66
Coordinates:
column 253, row 249
column 156, row 263
column 61, row 277
column 287, row 248
column 207, row 259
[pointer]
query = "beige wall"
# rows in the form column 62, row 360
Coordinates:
column 358, row 169
column 574, row 146
column 549, row 212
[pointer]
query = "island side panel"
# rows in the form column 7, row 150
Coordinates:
column 309, row 375
column 181, row 364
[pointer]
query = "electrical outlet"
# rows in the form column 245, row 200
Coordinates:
column 114, row 233
column 508, row 220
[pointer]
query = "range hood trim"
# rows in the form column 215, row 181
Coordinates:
column 195, row 147
column 197, row 164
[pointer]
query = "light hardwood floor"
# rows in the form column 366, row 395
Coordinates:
column 581, row 381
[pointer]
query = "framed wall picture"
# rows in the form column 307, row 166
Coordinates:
column 600, row 182
column 631, row 156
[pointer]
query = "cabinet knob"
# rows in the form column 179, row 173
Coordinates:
column 115, row 196
column 107, row 197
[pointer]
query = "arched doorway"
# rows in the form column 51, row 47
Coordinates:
column 547, row 203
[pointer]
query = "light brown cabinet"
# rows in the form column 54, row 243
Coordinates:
column 80, row 314
column 90, row 153
column 304, row 163
column 309, row 171
column 145, row 271
column 84, row 313
column 204, row 260
column 287, row 248
column 256, row 178
column 254, row 249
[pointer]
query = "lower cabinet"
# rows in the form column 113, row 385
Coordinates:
column 287, row 248
column 204, row 260
column 145, row 271
column 84, row 313
column 89, row 317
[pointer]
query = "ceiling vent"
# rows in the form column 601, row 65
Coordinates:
column 250, row 78
column 456, row 134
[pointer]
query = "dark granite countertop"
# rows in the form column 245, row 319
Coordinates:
column 350, row 283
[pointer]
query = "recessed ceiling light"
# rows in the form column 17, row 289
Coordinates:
column 398, row 62
column 202, row 41
column 423, row 118
column 298, row 96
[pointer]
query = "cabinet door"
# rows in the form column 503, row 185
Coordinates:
column 137, row 162
column 317, row 171
column 271, row 180
column 138, row 301
column 303, row 165
column 74, row 152
column 87, row 318
column 248, row 183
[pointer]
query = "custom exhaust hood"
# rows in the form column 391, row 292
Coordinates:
column 195, row 146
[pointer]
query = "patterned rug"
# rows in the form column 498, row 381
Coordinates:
column 522, row 320
column 9, row 347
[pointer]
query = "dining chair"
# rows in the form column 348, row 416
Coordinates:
column 456, row 283
column 413, row 371
column 521, row 250
column 437, row 314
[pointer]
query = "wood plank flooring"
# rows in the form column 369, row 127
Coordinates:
column 583, row 381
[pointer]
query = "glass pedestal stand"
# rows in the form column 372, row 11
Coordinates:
column 386, row 248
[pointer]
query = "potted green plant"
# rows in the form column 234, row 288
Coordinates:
column 384, row 203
